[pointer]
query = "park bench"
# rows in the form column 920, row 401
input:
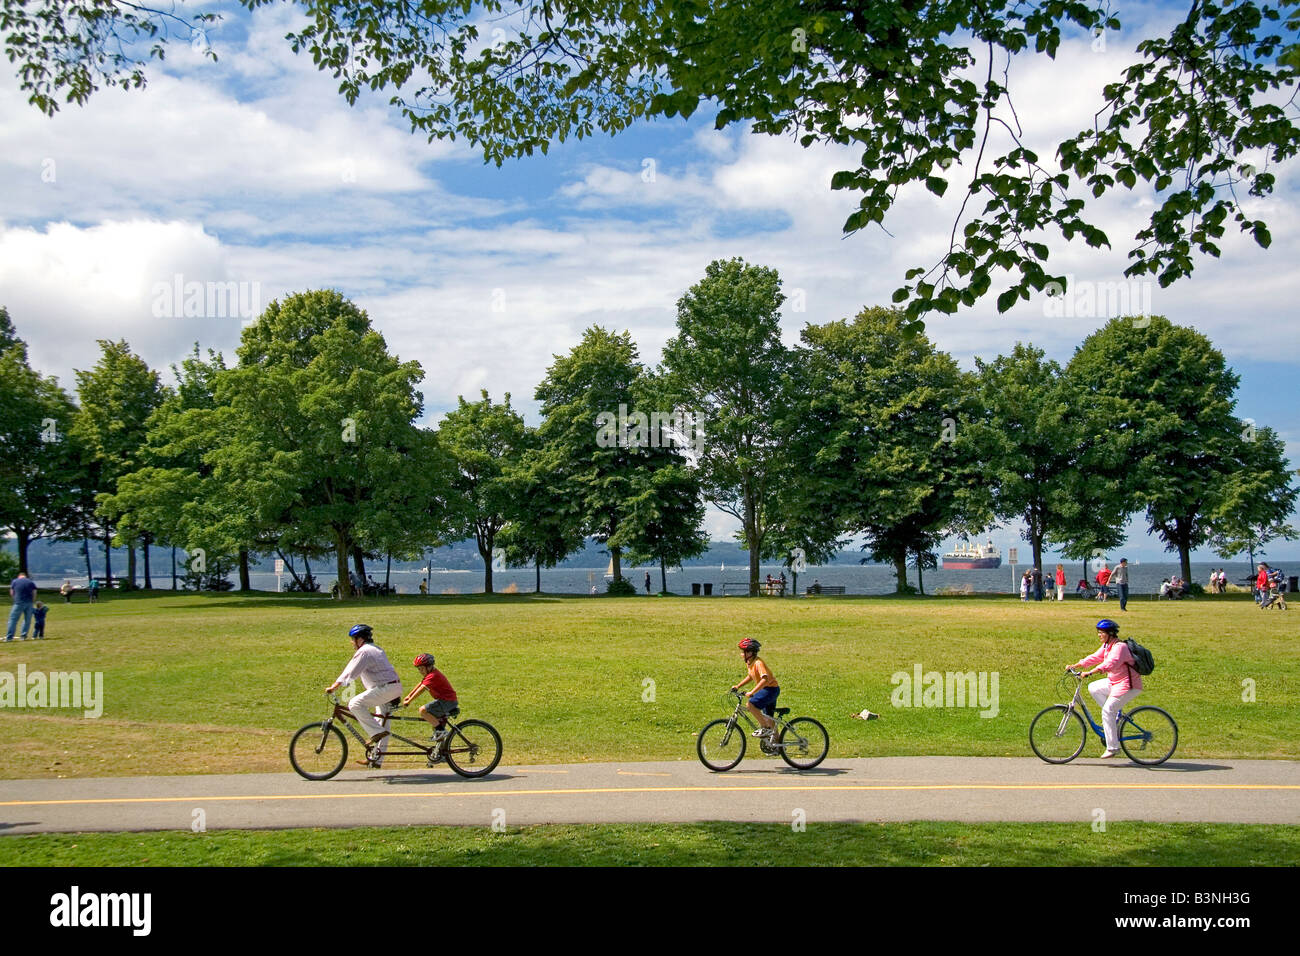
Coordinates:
column 824, row 589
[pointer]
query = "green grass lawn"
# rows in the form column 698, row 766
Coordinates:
column 701, row 844
column 219, row 683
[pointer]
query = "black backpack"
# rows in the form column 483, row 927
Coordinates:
column 1143, row 662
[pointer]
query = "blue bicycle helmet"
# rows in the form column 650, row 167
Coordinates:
column 362, row 631
column 1106, row 624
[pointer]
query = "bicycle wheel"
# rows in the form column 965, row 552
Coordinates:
column 721, row 745
column 1148, row 735
column 804, row 743
column 318, row 751
column 1057, row 734
column 473, row 749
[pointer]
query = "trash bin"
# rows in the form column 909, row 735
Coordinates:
column 708, row 589
column 695, row 588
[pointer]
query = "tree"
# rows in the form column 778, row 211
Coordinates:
column 887, row 410
column 315, row 427
column 1036, row 447
column 596, row 441
column 485, row 443
column 172, row 497
column 1257, row 498
column 1168, row 397
column 40, row 463
column 916, row 85
column 115, row 400
column 543, row 531
column 724, row 367
column 665, row 520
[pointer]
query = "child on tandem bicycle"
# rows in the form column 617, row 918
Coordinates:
column 762, row 699
column 444, row 696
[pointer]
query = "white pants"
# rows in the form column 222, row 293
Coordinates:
column 377, row 698
column 1060, row 592
column 1110, row 707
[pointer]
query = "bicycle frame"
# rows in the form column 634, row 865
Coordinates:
column 779, row 728
column 349, row 721
column 1097, row 729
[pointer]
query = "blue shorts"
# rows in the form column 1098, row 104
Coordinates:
column 765, row 699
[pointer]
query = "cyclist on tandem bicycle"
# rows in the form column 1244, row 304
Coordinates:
column 383, row 689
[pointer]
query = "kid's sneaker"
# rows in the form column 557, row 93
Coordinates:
column 762, row 732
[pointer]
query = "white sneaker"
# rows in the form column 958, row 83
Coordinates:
column 762, row 732
column 1108, row 754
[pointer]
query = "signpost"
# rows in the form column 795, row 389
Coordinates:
column 1011, row 556
column 279, row 570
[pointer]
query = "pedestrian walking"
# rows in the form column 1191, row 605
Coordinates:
column 23, row 591
column 1060, row 582
column 647, row 582
column 66, row 590
column 1120, row 579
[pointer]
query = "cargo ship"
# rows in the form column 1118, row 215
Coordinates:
column 977, row 558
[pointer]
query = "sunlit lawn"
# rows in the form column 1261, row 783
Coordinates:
column 219, row 683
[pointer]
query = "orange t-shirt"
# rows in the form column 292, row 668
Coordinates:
column 758, row 670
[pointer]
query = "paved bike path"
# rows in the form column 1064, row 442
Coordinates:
column 864, row 789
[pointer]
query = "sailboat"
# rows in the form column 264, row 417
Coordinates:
column 724, row 566
column 609, row 571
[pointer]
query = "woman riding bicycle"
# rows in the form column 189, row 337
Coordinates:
column 1121, row 684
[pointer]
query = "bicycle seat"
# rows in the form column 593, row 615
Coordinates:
column 782, row 711
column 455, row 711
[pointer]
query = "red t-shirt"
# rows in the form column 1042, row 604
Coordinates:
column 1261, row 581
column 439, row 687
column 1103, row 576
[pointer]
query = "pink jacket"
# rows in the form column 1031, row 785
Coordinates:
column 1116, row 661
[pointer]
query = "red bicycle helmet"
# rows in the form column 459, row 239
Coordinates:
column 423, row 660
column 749, row 644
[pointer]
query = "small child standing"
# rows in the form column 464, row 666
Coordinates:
column 39, row 613
column 444, row 696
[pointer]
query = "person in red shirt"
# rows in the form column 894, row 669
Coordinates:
column 1103, row 579
column 440, row 689
column 1261, row 584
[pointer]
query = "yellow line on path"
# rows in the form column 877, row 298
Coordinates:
column 593, row 790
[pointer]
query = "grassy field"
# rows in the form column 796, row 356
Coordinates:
column 703, row 844
column 219, row 683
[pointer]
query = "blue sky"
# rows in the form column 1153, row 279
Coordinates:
column 253, row 170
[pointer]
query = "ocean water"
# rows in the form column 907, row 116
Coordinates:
column 856, row 579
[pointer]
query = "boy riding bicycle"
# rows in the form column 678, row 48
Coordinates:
column 762, row 699
column 444, row 696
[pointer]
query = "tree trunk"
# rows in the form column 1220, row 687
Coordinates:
column 794, row 582
column 244, row 583
column 538, row 565
column 130, row 567
column 359, row 562
column 663, row 576
column 173, row 567
column 388, row 569
column 341, row 566
column 616, row 555
column 428, row 570
column 900, row 571
column 485, row 552
column 306, row 568
column 920, row 574
column 108, row 558
column 85, row 547
column 23, row 539
column 148, row 579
